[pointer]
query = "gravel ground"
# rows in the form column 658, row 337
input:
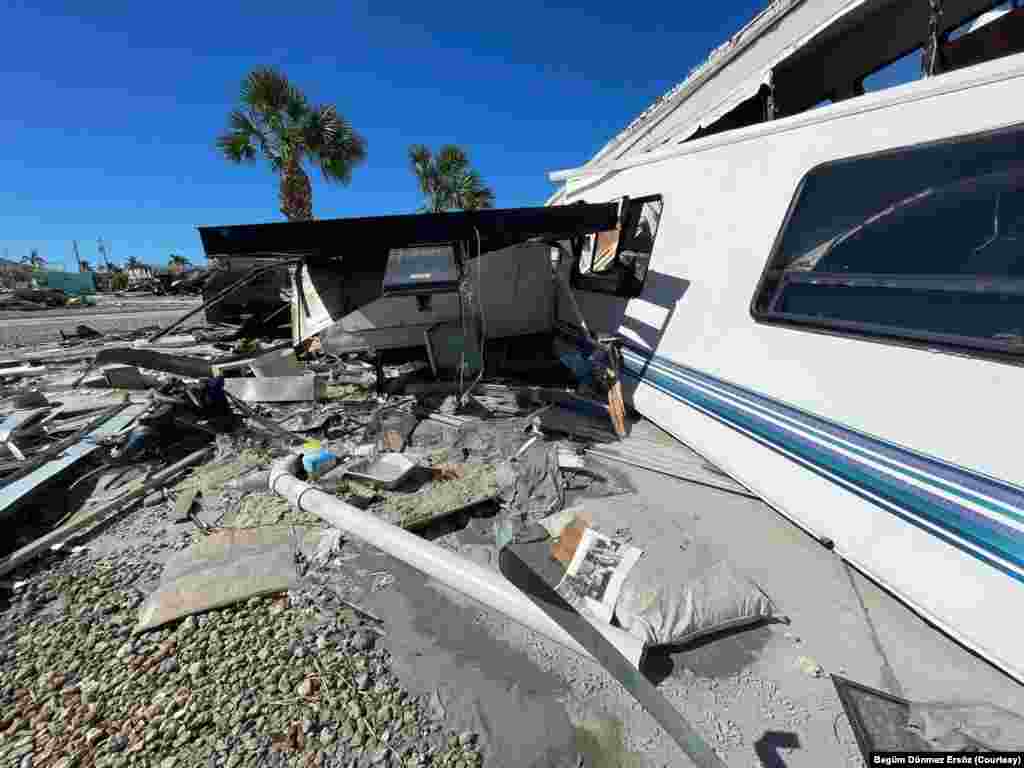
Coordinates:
column 265, row 682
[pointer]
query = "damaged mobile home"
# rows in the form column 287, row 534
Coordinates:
column 832, row 308
column 823, row 299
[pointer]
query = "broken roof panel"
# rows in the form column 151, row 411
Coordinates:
column 804, row 49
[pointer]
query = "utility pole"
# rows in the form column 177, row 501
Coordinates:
column 102, row 247
column 78, row 259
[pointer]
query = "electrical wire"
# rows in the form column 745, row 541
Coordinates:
column 463, row 391
column 480, row 285
column 483, row 320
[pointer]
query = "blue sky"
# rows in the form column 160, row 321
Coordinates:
column 111, row 109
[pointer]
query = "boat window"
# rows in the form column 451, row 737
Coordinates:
column 923, row 244
column 616, row 261
column 995, row 33
column 906, row 69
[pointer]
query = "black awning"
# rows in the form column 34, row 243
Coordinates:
column 327, row 238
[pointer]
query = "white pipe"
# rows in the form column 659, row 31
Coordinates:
column 482, row 584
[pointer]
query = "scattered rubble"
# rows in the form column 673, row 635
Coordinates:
column 168, row 607
column 162, row 628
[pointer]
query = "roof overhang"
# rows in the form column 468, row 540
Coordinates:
column 326, row 239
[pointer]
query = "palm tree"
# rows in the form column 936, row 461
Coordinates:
column 177, row 262
column 84, row 266
column 275, row 119
column 34, row 259
column 447, row 181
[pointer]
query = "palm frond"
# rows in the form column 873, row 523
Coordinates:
column 237, row 147
column 242, row 122
column 322, row 124
column 422, row 163
column 470, row 193
column 296, row 106
column 451, row 160
column 266, row 90
column 447, row 181
column 338, row 149
column 473, row 194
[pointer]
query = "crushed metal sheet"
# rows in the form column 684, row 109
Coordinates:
column 126, row 377
column 18, row 490
column 179, row 365
column 20, row 420
column 277, row 363
column 273, row 389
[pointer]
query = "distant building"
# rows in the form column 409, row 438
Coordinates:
column 14, row 275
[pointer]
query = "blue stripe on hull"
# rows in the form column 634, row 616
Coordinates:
column 974, row 513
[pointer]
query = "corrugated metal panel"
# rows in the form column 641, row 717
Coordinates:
column 20, row 489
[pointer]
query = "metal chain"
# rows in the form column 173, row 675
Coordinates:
column 931, row 54
column 769, row 103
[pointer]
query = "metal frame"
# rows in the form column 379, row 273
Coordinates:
column 323, row 240
column 860, row 732
column 589, row 282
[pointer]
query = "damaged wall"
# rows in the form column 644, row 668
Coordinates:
column 515, row 285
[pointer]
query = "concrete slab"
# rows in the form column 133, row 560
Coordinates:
column 805, row 581
column 930, row 665
column 748, row 684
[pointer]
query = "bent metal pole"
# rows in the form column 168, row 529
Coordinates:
column 482, row 584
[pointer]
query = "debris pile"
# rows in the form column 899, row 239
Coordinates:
column 202, row 630
column 181, row 592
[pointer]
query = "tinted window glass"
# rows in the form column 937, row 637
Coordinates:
column 922, row 243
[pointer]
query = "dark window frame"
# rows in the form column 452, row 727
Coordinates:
column 598, row 282
column 925, row 341
column 412, row 288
